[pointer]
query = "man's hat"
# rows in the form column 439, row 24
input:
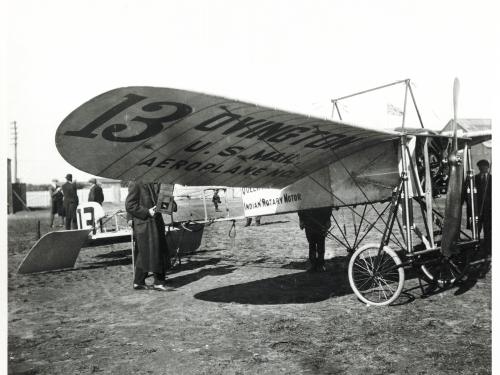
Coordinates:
column 483, row 162
column 69, row 176
column 93, row 181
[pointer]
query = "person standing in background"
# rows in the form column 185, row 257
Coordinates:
column 316, row 222
column 56, row 203
column 249, row 221
column 95, row 192
column 216, row 200
column 70, row 202
column 482, row 182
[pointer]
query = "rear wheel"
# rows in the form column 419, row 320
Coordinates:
column 445, row 271
column 376, row 276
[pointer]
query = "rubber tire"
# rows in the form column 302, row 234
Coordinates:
column 401, row 274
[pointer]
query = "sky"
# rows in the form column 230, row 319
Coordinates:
column 293, row 55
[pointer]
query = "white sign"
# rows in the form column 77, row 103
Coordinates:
column 310, row 192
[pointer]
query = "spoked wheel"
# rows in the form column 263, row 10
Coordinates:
column 445, row 271
column 376, row 277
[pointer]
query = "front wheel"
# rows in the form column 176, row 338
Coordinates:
column 376, row 276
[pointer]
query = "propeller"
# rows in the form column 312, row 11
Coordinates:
column 456, row 90
column 453, row 206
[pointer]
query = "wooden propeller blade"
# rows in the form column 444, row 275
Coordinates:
column 456, row 90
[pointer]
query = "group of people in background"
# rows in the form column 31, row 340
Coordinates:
column 64, row 200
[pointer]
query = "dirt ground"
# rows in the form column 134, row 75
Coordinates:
column 240, row 306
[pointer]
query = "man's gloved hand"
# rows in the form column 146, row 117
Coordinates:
column 152, row 211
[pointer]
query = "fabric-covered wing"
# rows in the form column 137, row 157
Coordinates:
column 184, row 137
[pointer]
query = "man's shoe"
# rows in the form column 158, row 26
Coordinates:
column 162, row 288
column 141, row 287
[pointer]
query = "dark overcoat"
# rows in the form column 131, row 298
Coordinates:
column 149, row 232
column 96, row 194
column 316, row 220
column 483, row 200
column 70, row 202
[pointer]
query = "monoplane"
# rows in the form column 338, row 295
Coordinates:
column 285, row 162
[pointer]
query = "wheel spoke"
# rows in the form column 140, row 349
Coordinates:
column 368, row 280
column 361, row 266
column 383, row 290
column 392, row 290
column 367, row 265
column 388, row 259
column 360, row 275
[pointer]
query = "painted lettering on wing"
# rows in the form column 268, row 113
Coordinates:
column 165, row 133
column 248, row 127
column 201, row 166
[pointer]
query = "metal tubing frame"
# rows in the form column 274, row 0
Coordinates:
column 428, row 193
column 407, row 82
column 404, row 176
column 357, row 229
column 392, row 216
column 334, row 101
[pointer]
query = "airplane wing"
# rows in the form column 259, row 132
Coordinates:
column 476, row 136
column 184, row 137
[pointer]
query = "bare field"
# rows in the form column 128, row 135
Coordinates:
column 241, row 306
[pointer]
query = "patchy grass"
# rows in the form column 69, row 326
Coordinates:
column 241, row 306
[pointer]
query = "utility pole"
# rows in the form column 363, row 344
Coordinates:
column 14, row 123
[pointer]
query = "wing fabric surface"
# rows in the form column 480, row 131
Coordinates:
column 174, row 136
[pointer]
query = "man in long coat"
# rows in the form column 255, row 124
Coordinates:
column 70, row 202
column 150, row 252
column 482, row 182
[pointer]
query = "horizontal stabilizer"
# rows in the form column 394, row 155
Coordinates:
column 54, row 251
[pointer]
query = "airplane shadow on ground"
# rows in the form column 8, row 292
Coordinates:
column 123, row 258
column 115, row 254
column 179, row 281
column 301, row 287
column 304, row 287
